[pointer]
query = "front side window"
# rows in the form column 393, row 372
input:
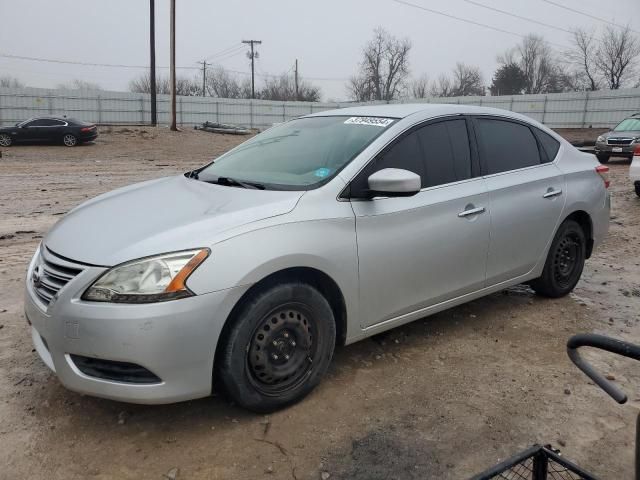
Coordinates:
column 297, row 155
column 628, row 125
column 506, row 145
column 438, row 152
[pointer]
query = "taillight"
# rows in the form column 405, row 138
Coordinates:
column 603, row 171
column 86, row 129
column 636, row 151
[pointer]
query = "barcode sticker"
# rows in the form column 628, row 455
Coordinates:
column 372, row 121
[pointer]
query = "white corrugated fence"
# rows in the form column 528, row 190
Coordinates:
column 603, row 108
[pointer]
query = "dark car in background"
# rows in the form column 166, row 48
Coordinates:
column 621, row 141
column 67, row 131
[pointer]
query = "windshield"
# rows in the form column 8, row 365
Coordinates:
column 628, row 125
column 298, row 155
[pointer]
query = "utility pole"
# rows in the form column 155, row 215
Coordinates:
column 204, row 75
column 253, row 55
column 296, row 78
column 152, row 60
column 173, row 126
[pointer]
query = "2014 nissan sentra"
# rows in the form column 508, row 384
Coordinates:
column 324, row 230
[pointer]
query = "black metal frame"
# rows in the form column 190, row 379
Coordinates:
column 536, row 463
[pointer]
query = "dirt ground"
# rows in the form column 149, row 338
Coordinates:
column 441, row 398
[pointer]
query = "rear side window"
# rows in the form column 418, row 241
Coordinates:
column 447, row 155
column 506, row 145
column 549, row 144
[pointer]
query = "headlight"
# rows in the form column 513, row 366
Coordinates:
column 152, row 279
column 601, row 139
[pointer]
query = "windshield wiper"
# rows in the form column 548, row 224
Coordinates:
column 238, row 183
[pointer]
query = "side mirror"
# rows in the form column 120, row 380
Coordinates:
column 394, row 182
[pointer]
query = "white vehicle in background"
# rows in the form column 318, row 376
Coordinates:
column 634, row 170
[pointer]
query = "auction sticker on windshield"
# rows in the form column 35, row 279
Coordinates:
column 373, row 121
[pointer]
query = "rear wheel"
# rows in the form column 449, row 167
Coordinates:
column 564, row 263
column 602, row 158
column 278, row 347
column 70, row 140
column 5, row 140
column 637, row 185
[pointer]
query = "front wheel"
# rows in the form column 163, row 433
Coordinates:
column 70, row 140
column 278, row 347
column 637, row 185
column 564, row 263
column 603, row 158
column 5, row 140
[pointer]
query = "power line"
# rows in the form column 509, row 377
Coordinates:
column 236, row 46
column 588, row 15
column 472, row 22
column 115, row 65
column 526, row 19
column 87, row 64
column 226, row 54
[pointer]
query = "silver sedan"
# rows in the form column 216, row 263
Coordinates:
column 246, row 273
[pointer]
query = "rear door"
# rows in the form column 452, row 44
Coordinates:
column 52, row 129
column 417, row 251
column 526, row 194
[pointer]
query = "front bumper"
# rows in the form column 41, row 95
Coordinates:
column 615, row 150
column 174, row 340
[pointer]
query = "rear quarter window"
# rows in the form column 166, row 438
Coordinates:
column 549, row 144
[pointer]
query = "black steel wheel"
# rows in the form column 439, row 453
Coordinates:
column 277, row 347
column 282, row 349
column 565, row 262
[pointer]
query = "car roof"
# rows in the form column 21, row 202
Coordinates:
column 403, row 110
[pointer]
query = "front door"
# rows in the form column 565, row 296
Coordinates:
column 418, row 251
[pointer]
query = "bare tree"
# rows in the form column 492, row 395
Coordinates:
column 222, row 84
column 537, row 61
column 384, row 68
column 77, row 84
column 583, row 56
column 442, row 87
column 283, row 88
column 467, row 80
column 617, row 55
column 11, row 82
column 420, row 87
column 184, row 86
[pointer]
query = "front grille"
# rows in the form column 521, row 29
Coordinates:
column 112, row 370
column 619, row 141
column 50, row 274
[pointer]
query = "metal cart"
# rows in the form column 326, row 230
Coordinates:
column 544, row 462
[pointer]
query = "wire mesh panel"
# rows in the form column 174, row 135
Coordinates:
column 536, row 463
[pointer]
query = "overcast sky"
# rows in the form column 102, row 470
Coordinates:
column 325, row 36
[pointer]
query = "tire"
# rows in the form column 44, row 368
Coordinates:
column 5, row 140
column 565, row 262
column 603, row 158
column 278, row 347
column 70, row 140
column 637, row 186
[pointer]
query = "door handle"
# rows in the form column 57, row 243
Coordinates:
column 552, row 193
column 471, row 211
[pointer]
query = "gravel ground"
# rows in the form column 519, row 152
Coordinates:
column 440, row 398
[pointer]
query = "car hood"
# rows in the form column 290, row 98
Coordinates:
column 623, row 134
column 160, row 216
